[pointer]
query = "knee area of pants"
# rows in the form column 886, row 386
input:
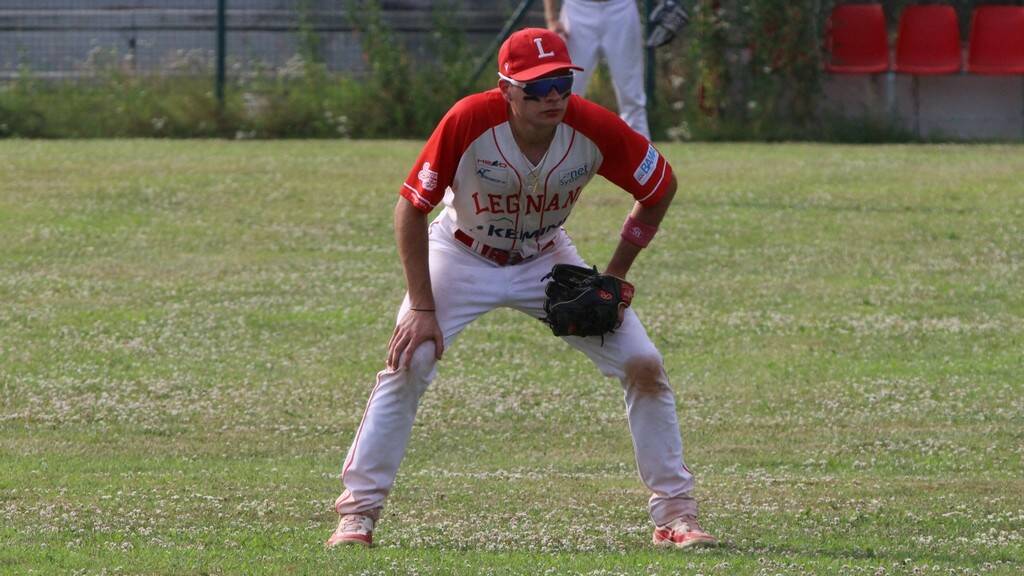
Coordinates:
column 647, row 375
column 423, row 360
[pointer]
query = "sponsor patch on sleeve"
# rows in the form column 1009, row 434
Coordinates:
column 646, row 168
column 428, row 177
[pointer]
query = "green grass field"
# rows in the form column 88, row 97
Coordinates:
column 189, row 332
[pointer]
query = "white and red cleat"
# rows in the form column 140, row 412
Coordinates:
column 353, row 529
column 683, row 532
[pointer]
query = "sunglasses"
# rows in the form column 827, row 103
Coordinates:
column 537, row 89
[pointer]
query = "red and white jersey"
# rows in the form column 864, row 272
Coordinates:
column 493, row 193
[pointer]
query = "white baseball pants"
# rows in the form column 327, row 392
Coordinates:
column 466, row 286
column 610, row 28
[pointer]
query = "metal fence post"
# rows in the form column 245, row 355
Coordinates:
column 491, row 50
column 221, row 49
column 649, row 57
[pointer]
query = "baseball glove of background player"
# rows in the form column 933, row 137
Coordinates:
column 667, row 19
column 582, row 302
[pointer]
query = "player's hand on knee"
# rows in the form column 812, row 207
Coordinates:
column 414, row 328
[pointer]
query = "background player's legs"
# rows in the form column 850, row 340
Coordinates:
column 629, row 355
column 379, row 445
column 622, row 45
column 583, row 22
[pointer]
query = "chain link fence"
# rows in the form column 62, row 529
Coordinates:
column 73, row 39
column 257, row 68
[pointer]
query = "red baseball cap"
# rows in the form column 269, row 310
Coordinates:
column 533, row 52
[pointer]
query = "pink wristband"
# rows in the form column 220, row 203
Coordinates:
column 637, row 233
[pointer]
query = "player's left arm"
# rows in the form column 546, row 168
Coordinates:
column 633, row 164
column 650, row 215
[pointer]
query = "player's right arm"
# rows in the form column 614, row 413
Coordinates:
column 419, row 324
column 431, row 175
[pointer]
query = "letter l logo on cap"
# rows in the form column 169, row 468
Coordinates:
column 540, row 49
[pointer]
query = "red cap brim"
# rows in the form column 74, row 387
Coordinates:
column 538, row 71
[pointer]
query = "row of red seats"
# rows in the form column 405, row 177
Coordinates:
column 928, row 41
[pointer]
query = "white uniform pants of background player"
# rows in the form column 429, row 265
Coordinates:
column 465, row 287
column 610, row 28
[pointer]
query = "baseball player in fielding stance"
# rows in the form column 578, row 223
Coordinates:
column 508, row 165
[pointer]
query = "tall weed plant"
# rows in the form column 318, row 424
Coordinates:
column 750, row 70
column 397, row 97
column 400, row 97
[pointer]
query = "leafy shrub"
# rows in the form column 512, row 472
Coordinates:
column 742, row 70
column 300, row 99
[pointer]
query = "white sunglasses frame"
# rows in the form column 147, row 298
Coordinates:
column 519, row 84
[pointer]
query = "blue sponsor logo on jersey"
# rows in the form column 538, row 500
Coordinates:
column 569, row 176
column 646, row 168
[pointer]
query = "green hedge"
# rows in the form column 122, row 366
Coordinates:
column 299, row 99
column 742, row 70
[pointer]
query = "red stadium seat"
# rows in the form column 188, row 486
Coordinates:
column 929, row 40
column 856, row 40
column 997, row 40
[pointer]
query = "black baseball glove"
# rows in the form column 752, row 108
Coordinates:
column 582, row 302
column 667, row 19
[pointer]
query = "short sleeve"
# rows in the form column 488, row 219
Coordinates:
column 435, row 167
column 630, row 161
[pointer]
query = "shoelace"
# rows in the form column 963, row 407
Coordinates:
column 356, row 523
column 686, row 524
